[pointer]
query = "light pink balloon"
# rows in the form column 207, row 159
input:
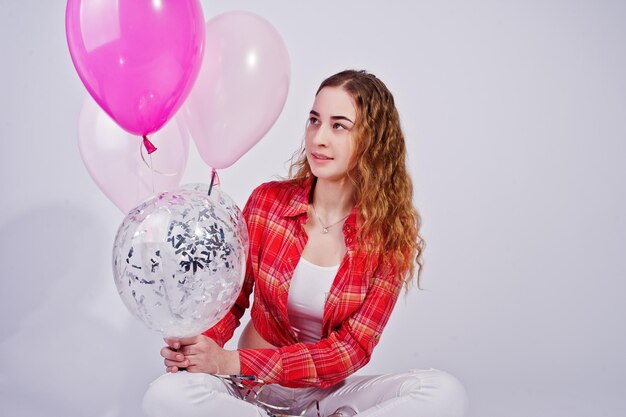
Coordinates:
column 241, row 89
column 137, row 58
column 113, row 159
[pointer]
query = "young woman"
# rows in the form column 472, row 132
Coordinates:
column 330, row 250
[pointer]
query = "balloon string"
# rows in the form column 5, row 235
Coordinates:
column 215, row 180
column 149, row 165
column 152, row 170
column 150, row 148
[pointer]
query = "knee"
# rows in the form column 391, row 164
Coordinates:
column 166, row 393
column 442, row 390
column 172, row 393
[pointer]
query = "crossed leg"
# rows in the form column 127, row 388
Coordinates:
column 417, row 393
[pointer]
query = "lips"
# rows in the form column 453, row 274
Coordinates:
column 320, row 156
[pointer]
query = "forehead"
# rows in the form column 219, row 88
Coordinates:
column 334, row 101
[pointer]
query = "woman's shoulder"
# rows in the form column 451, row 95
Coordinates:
column 275, row 192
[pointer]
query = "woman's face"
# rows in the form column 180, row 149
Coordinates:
column 329, row 140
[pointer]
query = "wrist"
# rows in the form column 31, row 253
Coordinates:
column 231, row 362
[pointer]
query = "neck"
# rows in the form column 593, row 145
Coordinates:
column 333, row 199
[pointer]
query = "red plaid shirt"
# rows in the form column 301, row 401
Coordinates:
column 360, row 302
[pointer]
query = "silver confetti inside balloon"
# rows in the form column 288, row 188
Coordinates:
column 179, row 259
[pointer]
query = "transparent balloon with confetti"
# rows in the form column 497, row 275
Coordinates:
column 179, row 259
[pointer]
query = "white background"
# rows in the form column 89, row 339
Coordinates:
column 515, row 119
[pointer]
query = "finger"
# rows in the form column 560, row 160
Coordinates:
column 172, row 342
column 200, row 369
column 167, row 353
column 176, row 364
column 188, row 350
column 189, row 340
column 172, row 369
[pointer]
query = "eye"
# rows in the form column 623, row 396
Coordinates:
column 338, row 126
column 313, row 120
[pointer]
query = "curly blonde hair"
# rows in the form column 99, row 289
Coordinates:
column 383, row 187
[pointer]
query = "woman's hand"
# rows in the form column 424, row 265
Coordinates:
column 174, row 360
column 199, row 354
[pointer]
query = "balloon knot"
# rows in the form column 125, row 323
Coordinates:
column 148, row 145
column 215, row 180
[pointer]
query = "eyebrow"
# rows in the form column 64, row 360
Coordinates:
column 313, row 112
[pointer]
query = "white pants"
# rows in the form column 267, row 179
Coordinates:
column 417, row 393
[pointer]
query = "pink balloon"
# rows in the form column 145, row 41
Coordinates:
column 137, row 58
column 241, row 89
column 113, row 159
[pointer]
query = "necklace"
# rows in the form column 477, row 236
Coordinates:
column 325, row 228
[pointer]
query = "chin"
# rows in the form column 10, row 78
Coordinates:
column 327, row 173
column 330, row 176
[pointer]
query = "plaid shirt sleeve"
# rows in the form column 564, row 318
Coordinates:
column 334, row 358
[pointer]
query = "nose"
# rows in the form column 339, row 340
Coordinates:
column 320, row 136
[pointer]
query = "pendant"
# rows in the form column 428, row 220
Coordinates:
column 324, row 230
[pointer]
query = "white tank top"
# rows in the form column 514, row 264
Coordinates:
column 308, row 291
